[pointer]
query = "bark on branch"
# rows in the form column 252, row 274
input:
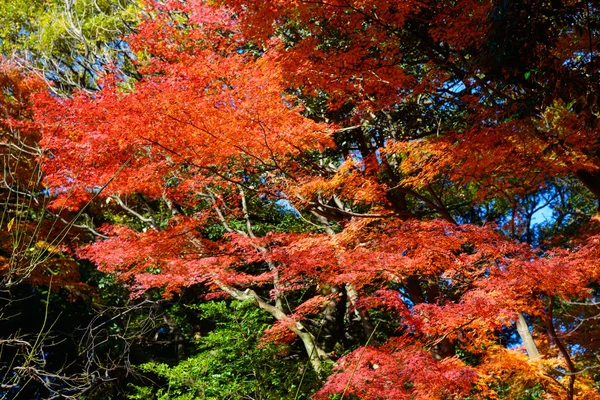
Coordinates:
column 315, row 353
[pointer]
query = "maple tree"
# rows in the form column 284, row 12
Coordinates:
column 30, row 261
column 55, row 335
column 415, row 141
column 29, row 244
column 39, row 282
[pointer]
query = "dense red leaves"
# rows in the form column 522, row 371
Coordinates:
column 358, row 51
column 19, row 133
column 172, row 258
column 532, row 105
column 556, row 144
column 18, row 87
column 202, row 112
column 163, row 125
column 30, row 241
column 211, row 118
column 491, row 278
column 399, row 370
column 351, row 181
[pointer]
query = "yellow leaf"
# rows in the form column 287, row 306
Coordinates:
column 42, row 245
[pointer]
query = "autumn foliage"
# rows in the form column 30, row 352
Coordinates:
column 412, row 139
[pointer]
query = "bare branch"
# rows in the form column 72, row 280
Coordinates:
column 149, row 220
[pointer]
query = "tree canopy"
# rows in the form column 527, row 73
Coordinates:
column 403, row 196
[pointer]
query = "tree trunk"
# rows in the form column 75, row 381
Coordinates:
column 591, row 180
column 523, row 330
column 362, row 315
